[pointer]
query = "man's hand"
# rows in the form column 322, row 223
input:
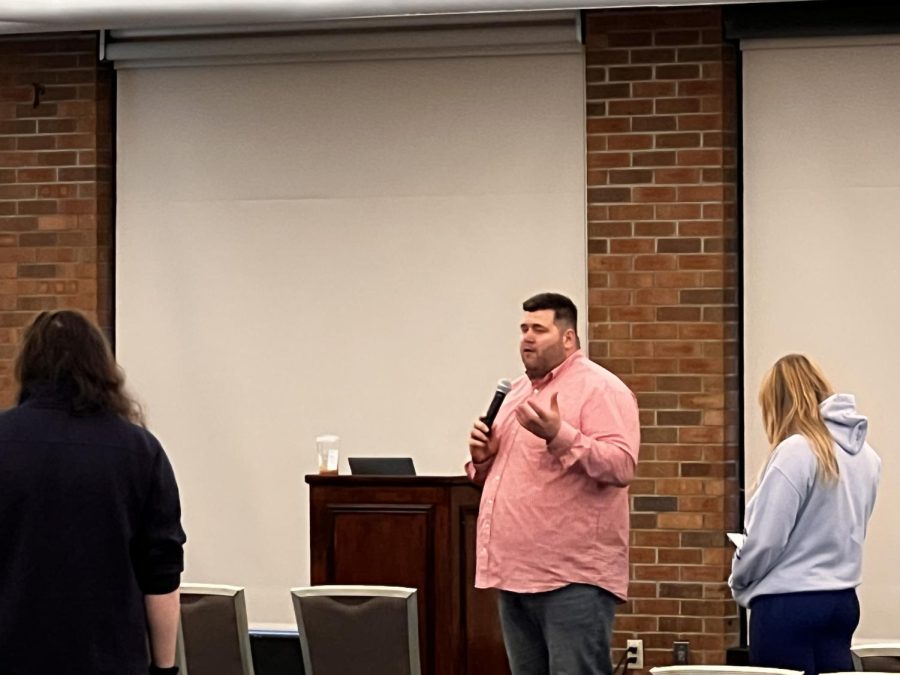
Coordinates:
column 481, row 447
column 539, row 421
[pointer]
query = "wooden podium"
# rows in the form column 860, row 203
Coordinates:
column 414, row 531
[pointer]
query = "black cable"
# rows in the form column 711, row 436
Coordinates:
column 626, row 658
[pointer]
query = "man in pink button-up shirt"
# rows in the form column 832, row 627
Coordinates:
column 553, row 523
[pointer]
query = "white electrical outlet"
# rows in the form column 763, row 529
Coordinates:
column 638, row 663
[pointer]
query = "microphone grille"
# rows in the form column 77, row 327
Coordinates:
column 504, row 385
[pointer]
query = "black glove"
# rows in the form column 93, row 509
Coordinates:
column 156, row 670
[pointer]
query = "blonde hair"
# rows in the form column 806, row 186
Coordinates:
column 789, row 396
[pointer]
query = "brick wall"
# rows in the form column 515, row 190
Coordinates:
column 55, row 184
column 662, row 277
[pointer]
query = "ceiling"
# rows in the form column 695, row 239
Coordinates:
column 34, row 16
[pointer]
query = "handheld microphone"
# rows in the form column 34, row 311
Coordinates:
column 503, row 387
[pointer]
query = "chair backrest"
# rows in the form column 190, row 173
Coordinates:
column 358, row 630
column 881, row 657
column 215, row 636
column 721, row 670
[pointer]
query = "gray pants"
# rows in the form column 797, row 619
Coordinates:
column 566, row 631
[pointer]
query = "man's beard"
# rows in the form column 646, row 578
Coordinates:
column 537, row 372
column 543, row 365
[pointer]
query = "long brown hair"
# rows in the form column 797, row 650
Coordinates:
column 789, row 397
column 66, row 351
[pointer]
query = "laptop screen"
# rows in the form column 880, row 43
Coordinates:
column 382, row 466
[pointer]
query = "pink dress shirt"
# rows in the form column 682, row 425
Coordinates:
column 557, row 513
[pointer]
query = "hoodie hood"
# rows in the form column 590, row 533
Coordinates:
column 847, row 427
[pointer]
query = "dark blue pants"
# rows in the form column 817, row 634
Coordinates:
column 566, row 631
column 804, row 631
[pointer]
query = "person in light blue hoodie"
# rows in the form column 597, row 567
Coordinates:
column 801, row 561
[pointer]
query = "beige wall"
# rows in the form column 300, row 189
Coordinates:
column 332, row 248
column 822, row 200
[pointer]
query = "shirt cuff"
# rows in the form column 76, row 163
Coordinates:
column 160, row 583
column 561, row 445
column 156, row 670
column 477, row 471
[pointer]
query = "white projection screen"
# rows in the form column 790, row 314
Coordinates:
column 821, row 235
column 333, row 247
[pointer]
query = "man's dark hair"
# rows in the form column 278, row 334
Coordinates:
column 564, row 311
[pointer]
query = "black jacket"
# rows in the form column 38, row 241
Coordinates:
column 90, row 521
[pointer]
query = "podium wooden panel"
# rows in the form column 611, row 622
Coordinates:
column 414, row 531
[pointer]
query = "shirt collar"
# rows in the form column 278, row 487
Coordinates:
column 44, row 392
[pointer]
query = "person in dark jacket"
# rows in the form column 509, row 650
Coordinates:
column 91, row 553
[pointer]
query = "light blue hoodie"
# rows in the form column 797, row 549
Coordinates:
column 804, row 534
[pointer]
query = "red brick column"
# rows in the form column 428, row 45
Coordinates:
column 55, row 184
column 663, row 307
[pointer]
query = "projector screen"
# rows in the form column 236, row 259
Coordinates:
column 821, row 206
column 338, row 248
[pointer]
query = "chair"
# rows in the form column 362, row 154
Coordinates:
column 215, row 638
column 877, row 657
column 358, row 630
column 721, row 670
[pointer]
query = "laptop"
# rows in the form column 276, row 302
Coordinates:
column 382, row 466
